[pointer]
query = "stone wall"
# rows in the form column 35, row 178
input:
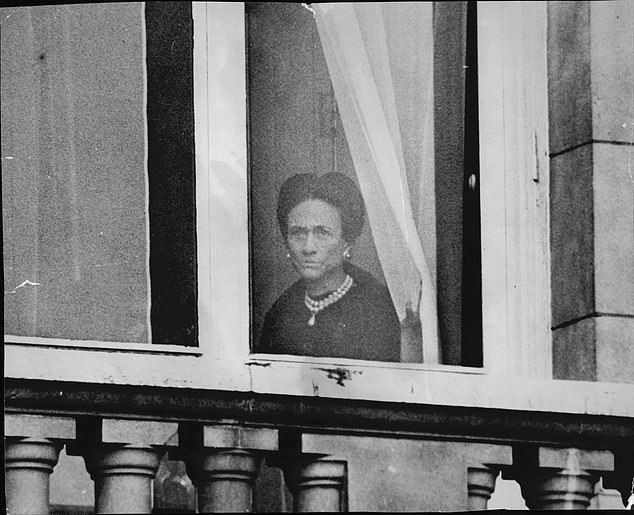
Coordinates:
column 591, row 106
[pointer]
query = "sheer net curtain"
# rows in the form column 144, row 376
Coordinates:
column 381, row 61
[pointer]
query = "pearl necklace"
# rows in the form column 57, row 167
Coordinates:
column 315, row 306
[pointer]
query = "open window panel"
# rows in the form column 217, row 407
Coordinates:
column 98, row 173
column 386, row 94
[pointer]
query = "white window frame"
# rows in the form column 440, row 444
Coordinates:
column 515, row 265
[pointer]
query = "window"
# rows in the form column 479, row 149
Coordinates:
column 512, row 126
column 98, row 173
column 427, row 82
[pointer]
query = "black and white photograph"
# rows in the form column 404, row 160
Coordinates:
column 337, row 256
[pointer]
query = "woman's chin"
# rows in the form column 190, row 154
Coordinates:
column 311, row 275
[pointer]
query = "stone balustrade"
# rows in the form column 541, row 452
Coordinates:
column 223, row 460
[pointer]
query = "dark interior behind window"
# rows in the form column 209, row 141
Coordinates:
column 171, row 168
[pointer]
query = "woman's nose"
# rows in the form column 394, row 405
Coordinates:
column 309, row 246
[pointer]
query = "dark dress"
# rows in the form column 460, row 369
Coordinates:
column 362, row 324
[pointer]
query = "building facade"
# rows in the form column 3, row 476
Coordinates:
column 142, row 148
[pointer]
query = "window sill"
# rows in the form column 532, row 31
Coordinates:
column 439, row 385
column 326, row 378
column 151, row 348
column 262, row 359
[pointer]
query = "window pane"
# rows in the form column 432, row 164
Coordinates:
column 294, row 128
column 79, row 203
column 298, row 124
column 74, row 178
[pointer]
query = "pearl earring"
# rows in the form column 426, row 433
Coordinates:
column 288, row 255
column 346, row 254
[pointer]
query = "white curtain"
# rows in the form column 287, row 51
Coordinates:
column 380, row 59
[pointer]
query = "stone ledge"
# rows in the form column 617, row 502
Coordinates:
column 335, row 416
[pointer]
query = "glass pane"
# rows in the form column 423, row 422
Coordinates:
column 98, row 172
column 294, row 128
column 74, row 172
column 348, row 89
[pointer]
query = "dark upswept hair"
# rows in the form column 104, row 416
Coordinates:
column 337, row 189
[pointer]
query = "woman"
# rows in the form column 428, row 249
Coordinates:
column 335, row 309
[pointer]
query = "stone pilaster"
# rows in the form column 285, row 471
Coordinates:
column 590, row 73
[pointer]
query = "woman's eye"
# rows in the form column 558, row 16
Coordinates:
column 322, row 232
column 297, row 233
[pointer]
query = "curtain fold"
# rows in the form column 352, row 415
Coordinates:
column 371, row 52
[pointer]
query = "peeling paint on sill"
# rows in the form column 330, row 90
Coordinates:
column 339, row 374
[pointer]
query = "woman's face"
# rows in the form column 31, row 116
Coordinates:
column 315, row 242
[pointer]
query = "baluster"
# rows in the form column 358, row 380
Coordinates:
column 317, row 483
column 559, row 479
column 223, row 462
column 122, row 457
column 559, row 490
column 29, row 463
column 122, row 476
column 31, row 449
column 485, row 461
column 225, row 480
column 481, row 484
